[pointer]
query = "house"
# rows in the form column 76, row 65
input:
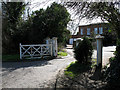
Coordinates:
column 90, row 30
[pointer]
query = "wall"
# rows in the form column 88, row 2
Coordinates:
column 91, row 26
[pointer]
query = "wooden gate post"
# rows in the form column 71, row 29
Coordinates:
column 20, row 51
column 55, row 49
column 47, row 40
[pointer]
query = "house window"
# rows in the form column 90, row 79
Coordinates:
column 81, row 31
column 88, row 31
column 95, row 31
column 100, row 30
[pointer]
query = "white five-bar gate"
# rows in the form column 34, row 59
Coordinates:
column 39, row 50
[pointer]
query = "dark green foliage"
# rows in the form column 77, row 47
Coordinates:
column 41, row 24
column 12, row 13
column 112, row 74
column 109, row 39
column 83, row 51
column 117, row 53
column 51, row 22
column 111, row 59
column 38, row 28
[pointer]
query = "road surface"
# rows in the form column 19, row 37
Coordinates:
column 36, row 74
column 41, row 74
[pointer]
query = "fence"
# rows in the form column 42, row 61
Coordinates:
column 39, row 50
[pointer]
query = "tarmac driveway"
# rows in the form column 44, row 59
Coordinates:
column 36, row 74
column 41, row 74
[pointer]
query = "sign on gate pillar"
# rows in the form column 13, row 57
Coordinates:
column 99, row 50
column 54, row 44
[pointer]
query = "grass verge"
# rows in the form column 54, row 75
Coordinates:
column 14, row 57
column 94, row 63
column 76, row 68
column 61, row 53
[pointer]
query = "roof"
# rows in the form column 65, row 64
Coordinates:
column 92, row 24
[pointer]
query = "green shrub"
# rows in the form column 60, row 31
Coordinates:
column 111, row 59
column 112, row 74
column 83, row 51
column 109, row 39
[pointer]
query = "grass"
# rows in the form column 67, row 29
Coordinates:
column 61, row 53
column 94, row 63
column 76, row 68
column 14, row 57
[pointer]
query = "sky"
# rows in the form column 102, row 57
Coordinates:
column 72, row 26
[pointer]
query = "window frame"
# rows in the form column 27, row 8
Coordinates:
column 96, row 30
column 88, row 31
column 81, row 31
column 100, row 30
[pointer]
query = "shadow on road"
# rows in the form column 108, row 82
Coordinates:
column 16, row 65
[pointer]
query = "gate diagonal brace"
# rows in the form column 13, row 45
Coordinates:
column 36, row 50
column 46, row 50
column 26, row 50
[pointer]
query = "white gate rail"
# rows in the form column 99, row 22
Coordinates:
column 32, row 51
column 39, row 50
